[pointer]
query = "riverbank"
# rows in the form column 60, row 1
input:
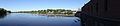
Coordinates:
column 64, row 15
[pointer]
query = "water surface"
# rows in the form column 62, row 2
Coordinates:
column 28, row 19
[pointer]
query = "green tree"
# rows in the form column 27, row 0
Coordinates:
column 2, row 9
column 68, row 12
column 50, row 10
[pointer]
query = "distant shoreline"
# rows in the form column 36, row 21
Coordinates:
column 64, row 15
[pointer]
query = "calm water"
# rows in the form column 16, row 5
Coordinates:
column 28, row 19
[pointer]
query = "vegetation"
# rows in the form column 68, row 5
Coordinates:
column 54, row 11
column 49, row 11
column 2, row 10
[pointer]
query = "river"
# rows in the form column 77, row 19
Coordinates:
column 29, row 19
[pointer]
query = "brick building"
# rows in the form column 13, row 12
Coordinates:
column 101, row 13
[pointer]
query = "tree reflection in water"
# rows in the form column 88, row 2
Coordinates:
column 2, row 15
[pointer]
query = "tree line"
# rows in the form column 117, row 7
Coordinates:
column 54, row 11
column 49, row 11
column 2, row 10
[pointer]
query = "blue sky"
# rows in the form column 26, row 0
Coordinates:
column 27, row 5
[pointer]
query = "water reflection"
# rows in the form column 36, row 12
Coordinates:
column 27, row 19
column 77, row 20
column 2, row 15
